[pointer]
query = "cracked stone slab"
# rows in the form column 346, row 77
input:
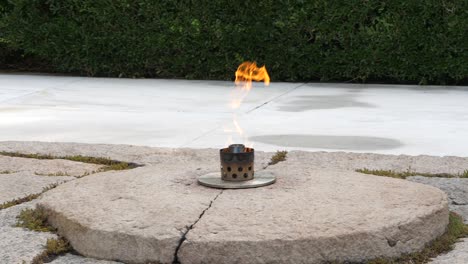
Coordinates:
column 169, row 171
column 400, row 163
column 21, row 184
column 461, row 210
column 46, row 167
column 19, row 244
column 459, row 255
column 323, row 160
column 76, row 259
column 315, row 216
column 127, row 153
column 456, row 188
column 134, row 216
column 310, row 211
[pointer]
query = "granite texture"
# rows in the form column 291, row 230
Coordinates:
column 19, row 244
column 455, row 188
column 459, row 255
column 318, row 202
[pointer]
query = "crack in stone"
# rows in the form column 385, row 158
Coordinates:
column 184, row 235
column 391, row 242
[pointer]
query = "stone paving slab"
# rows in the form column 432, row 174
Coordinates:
column 200, row 161
column 21, row 184
column 316, row 216
column 19, row 244
column 46, row 167
column 461, row 210
column 175, row 113
column 399, row 163
column 128, row 153
column 162, row 203
column 459, row 255
column 455, row 188
column 132, row 216
column 76, row 259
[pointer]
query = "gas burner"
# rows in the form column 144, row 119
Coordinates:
column 237, row 170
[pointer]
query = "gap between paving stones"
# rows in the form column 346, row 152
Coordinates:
column 28, row 198
column 189, row 228
column 278, row 157
column 108, row 164
column 199, row 218
column 111, row 165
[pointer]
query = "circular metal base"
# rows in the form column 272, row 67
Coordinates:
column 213, row 180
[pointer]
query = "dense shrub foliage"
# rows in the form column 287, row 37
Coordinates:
column 351, row 40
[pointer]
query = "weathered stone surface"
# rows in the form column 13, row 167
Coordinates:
column 459, row 255
column 456, row 188
column 19, row 244
column 312, row 216
column 46, row 167
column 161, row 202
column 353, row 161
column 128, row 153
column 461, row 210
column 75, row 259
column 131, row 216
column 21, row 184
column 331, row 160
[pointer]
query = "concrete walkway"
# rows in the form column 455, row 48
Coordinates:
column 386, row 119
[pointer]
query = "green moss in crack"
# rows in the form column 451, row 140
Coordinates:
column 54, row 248
column 408, row 173
column 464, row 174
column 6, row 172
column 27, row 198
column 109, row 164
column 34, row 219
column 59, row 173
column 456, row 229
column 278, row 157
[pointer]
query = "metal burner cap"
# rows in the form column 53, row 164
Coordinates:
column 236, row 148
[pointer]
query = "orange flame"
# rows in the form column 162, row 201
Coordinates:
column 248, row 72
column 245, row 74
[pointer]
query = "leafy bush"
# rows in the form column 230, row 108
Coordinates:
column 353, row 40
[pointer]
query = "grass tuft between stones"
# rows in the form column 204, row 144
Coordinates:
column 34, row 219
column 409, row 172
column 456, row 229
column 54, row 248
column 59, row 173
column 109, row 164
column 27, row 198
column 279, row 156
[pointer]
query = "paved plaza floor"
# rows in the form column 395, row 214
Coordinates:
column 387, row 119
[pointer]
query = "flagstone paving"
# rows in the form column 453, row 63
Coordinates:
column 386, row 119
column 18, row 244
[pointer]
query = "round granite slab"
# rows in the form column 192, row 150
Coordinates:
column 159, row 213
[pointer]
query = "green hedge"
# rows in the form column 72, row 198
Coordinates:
column 349, row 40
